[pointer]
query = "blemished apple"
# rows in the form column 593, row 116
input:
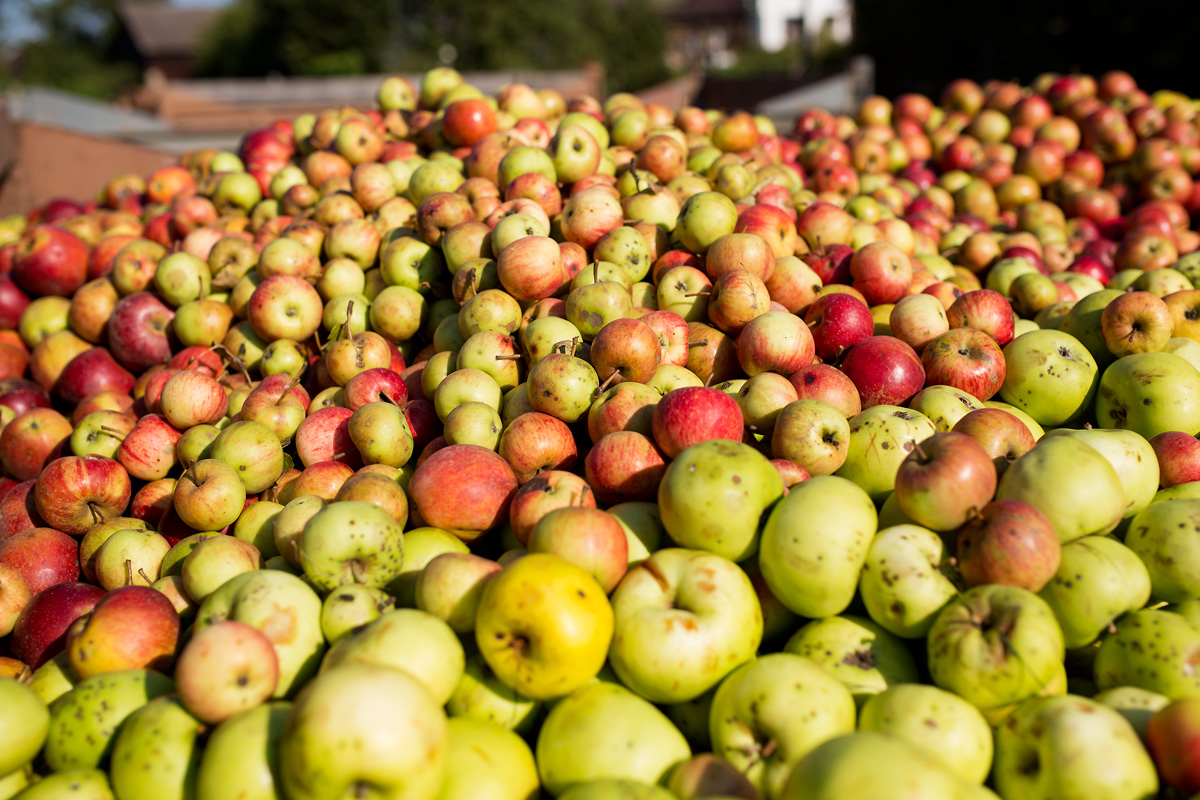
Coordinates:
column 225, row 669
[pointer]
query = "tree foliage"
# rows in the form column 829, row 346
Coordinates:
column 305, row 37
column 76, row 50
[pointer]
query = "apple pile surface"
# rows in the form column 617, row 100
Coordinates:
column 503, row 447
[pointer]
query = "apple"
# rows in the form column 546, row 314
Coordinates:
column 860, row 654
column 751, row 730
column 713, row 495
column 1131, row 397
column 583, row 734
column 550, row 654
column 1051, row 397
column 1178, row 456
column 995, row 645
column 225, row 669
column 74, row 493
column 40, row 632
column 869, row 463
column 687, row 416
column 941, row 724
column 25, row 725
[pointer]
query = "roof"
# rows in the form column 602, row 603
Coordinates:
column 161, row 29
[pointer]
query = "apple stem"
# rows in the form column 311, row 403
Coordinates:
column 1112, row 628
column 920, row 451
column 511, row 357
column 699, row 343
column 699, row 294
column 113, row 432
column 357, row 570
column 129, row 572
column 97, row 517
column 145, row 577
column 191, row 472
column 607, row 382
column 387, row 398
column 337, row 456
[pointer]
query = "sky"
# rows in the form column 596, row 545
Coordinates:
column 16, row 27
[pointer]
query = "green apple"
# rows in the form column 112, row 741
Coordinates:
column 12, row 784
column 256, row 525
column 79, row 784
column 351, row 542
column 53, row 679
column 906, row 580
column 544, row 626
column 880, row 438
column 290, row 522
column 1098, row 580
column 1083, row 323
column 482, row 696
column 24, row 725
column 412, row 641
column 85, row 720
column 450, row 585
column 487, row 762
column 942, row 724
column 421, row 545
column 815, row 543
column 944, row 405
column 860, row 654
column 1152, row 650
column 1150, row 393
column 642, row 523
column 213, row 561
column 283, row 607
column 241, row 757
column 684, row 619
column 1136, row 705
column 713, row 495
column 871, row 764
column 1071, row 746
column 1132, row 458
column 1069, row 482
column 365, row 731
column 772, row 712
column 157, row 752
column 1185, row 348
column 352, row 607
column 995, row 645
column 1163, row 537
column 601, row 731
column 1050, row 375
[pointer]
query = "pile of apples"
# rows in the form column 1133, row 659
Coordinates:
column 517, row 446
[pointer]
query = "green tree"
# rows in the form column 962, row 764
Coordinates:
column 76, row 48
column 304, row 37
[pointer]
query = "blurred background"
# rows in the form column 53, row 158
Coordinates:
column 92, row 87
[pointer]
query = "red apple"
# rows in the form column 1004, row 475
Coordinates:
column 18, row 510
column 31, row 441
column 464, row 489
column 50, row 260
column 44, row 557
column 587, row 537
column 945, row 480
column 695, row 414
column 1002, row 435
column 138, row 330
column 1010, row 543
column 544, row 493
column 984, row 310
column 885, row 371
column 838, row 321
column 535, row 442
column 40, row 632
column 75, row 492
column 966, row 359
column 92, row 371
column 623, row 467
column 828, row 384
column 1178, row 456
column 133, row 627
